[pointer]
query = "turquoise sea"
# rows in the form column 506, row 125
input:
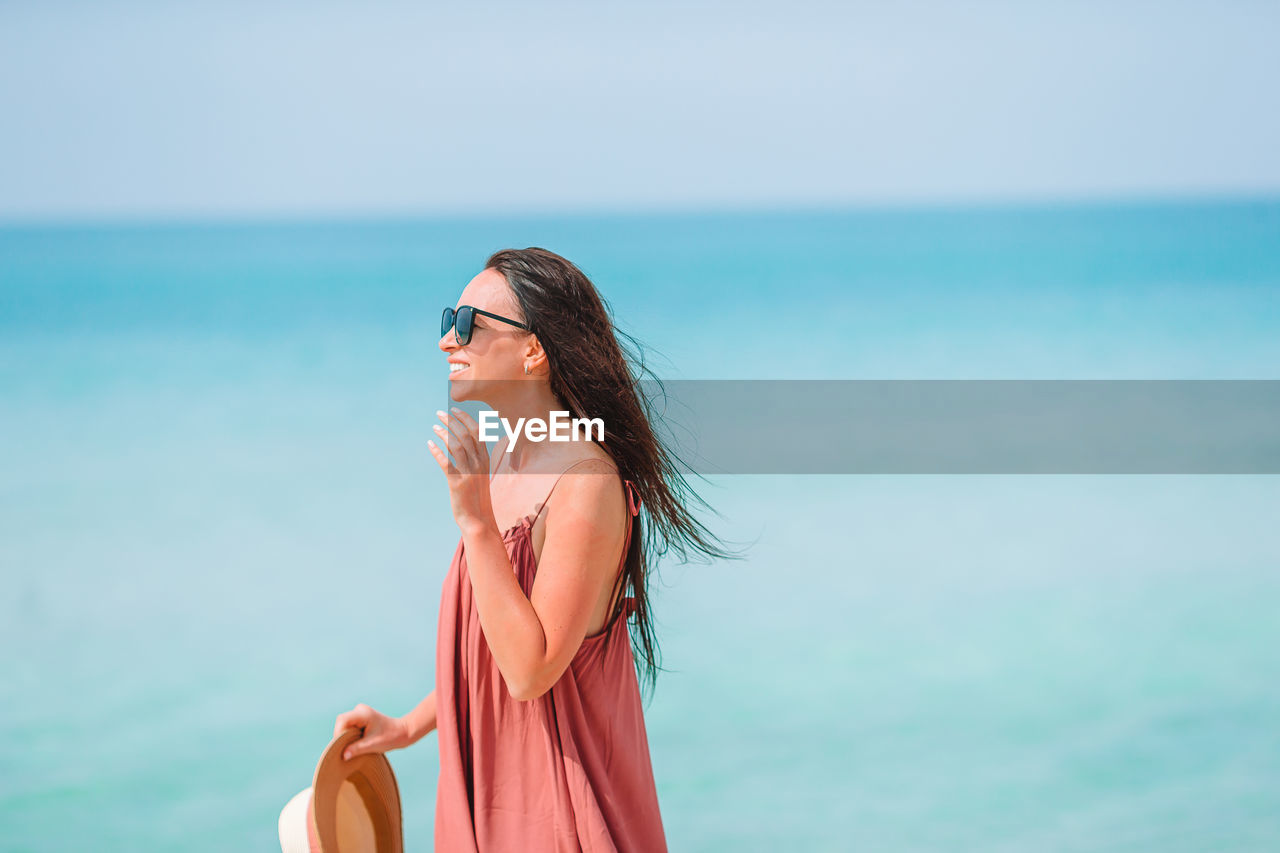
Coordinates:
column 220, row 527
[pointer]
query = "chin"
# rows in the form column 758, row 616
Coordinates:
column 458, row 391
column 467, row 390
column 475, row 390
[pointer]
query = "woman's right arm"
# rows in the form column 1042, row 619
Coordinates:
column 383, row 733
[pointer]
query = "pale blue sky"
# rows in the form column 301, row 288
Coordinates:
column 124, row 110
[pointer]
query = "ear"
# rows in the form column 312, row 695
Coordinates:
column 534, row 356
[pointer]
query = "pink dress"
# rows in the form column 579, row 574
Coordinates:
column 568, row 771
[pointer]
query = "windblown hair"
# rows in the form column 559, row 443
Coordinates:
column 593, row 377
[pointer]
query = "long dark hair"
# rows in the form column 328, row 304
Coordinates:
column 592, row 376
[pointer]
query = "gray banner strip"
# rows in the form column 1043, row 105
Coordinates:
column 973, row 426
column 989, row 426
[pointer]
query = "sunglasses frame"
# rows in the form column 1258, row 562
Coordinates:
column 449, row 320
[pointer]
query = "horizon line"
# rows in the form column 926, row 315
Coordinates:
column 336, row 216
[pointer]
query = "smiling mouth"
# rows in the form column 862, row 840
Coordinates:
column 455, row 368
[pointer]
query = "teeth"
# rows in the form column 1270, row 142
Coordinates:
column 454, row 368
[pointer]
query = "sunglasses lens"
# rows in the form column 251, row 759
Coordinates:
column 462, row 324
column 446, row 322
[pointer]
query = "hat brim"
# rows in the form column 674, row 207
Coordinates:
column 371, row 778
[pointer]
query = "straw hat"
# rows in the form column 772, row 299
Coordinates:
column 351, row 807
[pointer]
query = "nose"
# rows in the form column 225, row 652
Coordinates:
column 448, row 342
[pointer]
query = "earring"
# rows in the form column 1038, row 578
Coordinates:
column 526, row 370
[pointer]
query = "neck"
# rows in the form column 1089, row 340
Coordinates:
column 527, row 400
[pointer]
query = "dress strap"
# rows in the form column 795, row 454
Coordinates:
column 547, row 499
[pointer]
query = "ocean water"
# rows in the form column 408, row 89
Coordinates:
column 220, row 527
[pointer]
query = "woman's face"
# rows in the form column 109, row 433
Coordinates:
column 497, row 351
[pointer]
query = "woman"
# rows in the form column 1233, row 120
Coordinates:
column 537, row 700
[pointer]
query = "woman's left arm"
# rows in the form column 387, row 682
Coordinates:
column 533, row 638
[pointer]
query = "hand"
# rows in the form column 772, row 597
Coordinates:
column 381, row 733
column 468, row 474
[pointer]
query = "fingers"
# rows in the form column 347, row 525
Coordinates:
column 365, row 719
column 360, row 747
column 467, row 472
column 371, row 742
column 466, row 421
column 452, row 443
column 357, row 718
column 441, row 459
column 479, row 450
column 383, row 734
column 461, row 442
column 461, row 437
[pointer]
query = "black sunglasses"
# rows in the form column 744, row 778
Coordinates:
column 463, row 323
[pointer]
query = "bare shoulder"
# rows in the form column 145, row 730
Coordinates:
column 595, row 462
column 587, row 508
column 591, row 492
